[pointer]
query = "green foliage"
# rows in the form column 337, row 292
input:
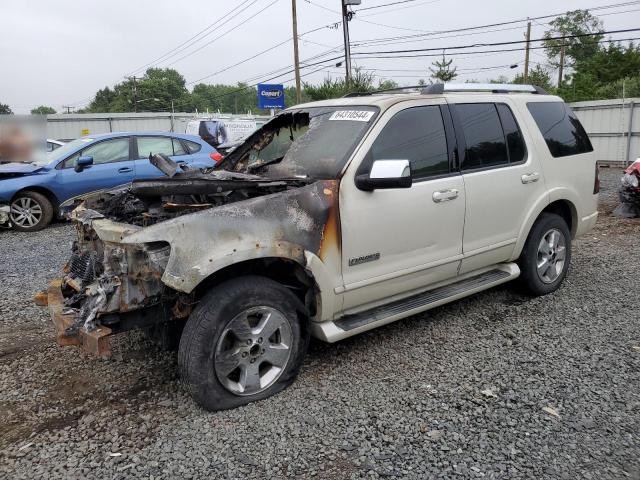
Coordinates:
column 43, row 110
column 441, row 72
column 4, row 109
column 538, row 76
column 577, row 22
column 334, row 88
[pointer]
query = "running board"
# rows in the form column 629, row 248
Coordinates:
column 358, row 322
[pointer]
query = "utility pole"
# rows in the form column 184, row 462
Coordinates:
column 526, row 54
column 68, row 107
column 135, row 93
column 347, row 46
column 561, row 67
column 296, row 58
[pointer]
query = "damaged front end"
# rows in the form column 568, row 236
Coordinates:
column 629, row 192
column 110, row 287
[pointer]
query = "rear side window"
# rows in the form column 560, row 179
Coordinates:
column 416, row 134
column 486, row 146
column 193, row 146
column 515, row 142
column 178, row 149
column 560, row 128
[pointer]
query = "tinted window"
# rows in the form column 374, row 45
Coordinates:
column 193, row 146
column 109, row 151
column 515, row 142
column 154, row 145
column 483, row 135
column 416, row 134
column 560, row 128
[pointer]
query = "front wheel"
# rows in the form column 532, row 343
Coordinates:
column 30, row 212
column 244, row 342
column 546, row 255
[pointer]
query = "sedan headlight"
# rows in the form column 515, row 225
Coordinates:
column 630, row 180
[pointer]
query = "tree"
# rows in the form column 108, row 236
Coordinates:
column 334, row 88
column 577, row 22
column 442, row 71
column 538, row 76
column 5, row 110
column 43, row 110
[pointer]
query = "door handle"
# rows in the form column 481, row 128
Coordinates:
column 125, row 170
column 530, row 177
column 445, row 195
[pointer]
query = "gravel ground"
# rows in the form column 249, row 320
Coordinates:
column 494, row 386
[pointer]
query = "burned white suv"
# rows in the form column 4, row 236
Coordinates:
column 334, row 218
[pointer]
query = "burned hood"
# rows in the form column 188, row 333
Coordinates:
column 285, row 224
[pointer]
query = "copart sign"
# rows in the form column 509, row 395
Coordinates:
column 270, row 96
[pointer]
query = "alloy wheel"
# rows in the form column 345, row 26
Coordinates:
column 26, row 212
column 253, row 350
column 552, row 253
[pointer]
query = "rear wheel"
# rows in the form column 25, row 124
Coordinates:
column 30, row 212
column 244, row 342
column 546, row 255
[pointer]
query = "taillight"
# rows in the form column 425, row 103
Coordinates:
column 216, row 156
column 596, row 182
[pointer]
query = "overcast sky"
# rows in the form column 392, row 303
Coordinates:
column 60, row 52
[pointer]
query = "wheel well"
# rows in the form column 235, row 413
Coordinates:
column 567, row 211
column 286, row 272
column 43, row 191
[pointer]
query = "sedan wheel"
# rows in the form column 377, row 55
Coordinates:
column 30, row 211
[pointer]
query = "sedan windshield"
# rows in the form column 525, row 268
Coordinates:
column 62, row 152
column 312, row 142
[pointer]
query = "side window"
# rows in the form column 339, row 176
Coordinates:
column 109, row 151
column 560, row 128
column 515, row 141
column 416, row 134
column 178, row 149
column 483, row 134
column 149, row 145
column 193, row 146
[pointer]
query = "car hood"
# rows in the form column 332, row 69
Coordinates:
column 17, row 169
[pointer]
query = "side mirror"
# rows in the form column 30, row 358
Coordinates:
column 83, row 162
column 386, row 174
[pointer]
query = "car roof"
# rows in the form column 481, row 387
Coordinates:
column 100, row 136
column 384, row 101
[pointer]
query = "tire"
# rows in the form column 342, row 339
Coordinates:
column 30, row 212
column 223, row 363
column 544, row 266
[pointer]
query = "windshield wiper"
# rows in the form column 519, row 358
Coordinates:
column 257, row 166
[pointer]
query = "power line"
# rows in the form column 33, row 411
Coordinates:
column 512, row 42
column 209, row 27
column 384, row 5
column 490, row 51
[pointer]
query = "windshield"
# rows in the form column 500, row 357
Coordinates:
column 62, row 152
column 313, row 142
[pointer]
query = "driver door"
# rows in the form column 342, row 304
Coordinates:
column 112, row 166
column 399, row 241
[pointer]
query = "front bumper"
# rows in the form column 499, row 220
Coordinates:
column 96, row 342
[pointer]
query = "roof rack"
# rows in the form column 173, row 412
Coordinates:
column 482, row 87
column 440, row 88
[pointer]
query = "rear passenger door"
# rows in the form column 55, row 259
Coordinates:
column 503, row 180
column 147, row 145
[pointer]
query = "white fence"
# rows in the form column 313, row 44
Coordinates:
column 614, row 128
column 75, row 125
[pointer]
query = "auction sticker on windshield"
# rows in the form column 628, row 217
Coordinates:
column 353, row 115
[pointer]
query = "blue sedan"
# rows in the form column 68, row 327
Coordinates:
column 31, row 193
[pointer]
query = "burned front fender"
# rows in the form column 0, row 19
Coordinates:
column 284, row 225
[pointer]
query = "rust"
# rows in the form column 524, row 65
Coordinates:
column 331, row 235
column 40, row 298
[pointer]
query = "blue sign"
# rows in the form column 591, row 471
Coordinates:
column 270, row 96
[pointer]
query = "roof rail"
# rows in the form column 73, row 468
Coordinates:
column 419, row 89
column 439, row 88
